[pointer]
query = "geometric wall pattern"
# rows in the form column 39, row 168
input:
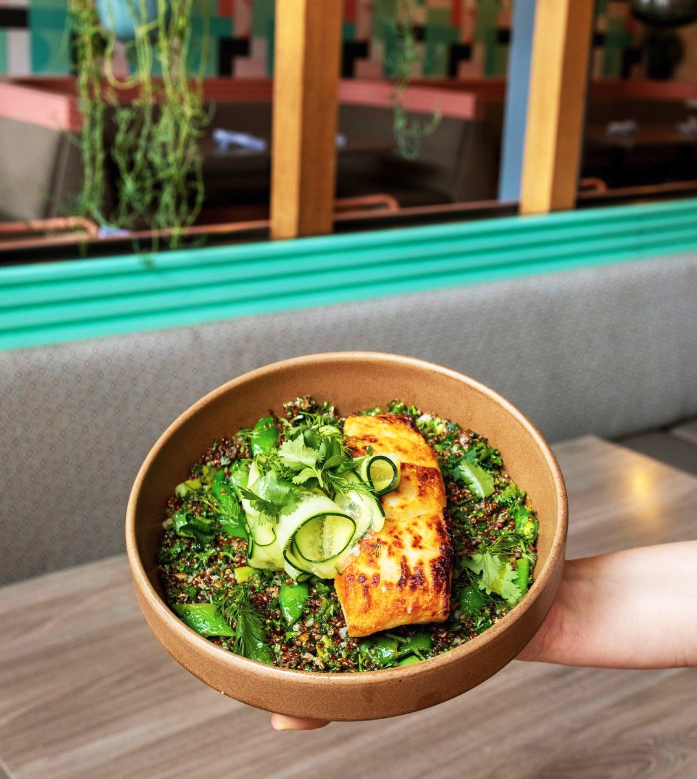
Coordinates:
column 457, row 38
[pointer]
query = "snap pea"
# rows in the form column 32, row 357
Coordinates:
column 239, row 473
column 204, row 618
column 243, row 573
column 528, row 530
column 471, row 601
column 526, row 526
column 189, row 525
column 187, row 487
column 264, row 436
column 292, row 601
column 223, row 492
column 230, row 513
column 385, row 650
column 420, row 642
column 522, row 574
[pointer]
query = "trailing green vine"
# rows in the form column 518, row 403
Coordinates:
column 409, row 131
column 89, row 53
column 154, row 148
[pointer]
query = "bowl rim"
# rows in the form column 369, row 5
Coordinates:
column 320, row 678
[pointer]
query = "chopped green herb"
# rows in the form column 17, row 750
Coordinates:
column 495, row 576
column 478, row 481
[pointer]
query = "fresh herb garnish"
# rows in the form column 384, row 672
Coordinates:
column 480, row 453
column 250, row 636
column 271, row 497
column 478, row 481
column 494, row 576
column 314, row 455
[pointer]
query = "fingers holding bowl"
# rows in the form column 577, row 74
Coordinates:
column 281, row 722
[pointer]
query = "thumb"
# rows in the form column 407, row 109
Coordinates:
column 281, row 722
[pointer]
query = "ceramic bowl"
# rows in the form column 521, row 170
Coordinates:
column 353, row 381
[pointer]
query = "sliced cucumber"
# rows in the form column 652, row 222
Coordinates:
column 264, row 534
column 317, row 536
column 365, row 510
column 267, row 557
column 246, row 505
column 324, row 537
column 301, row 535
column 381, row 472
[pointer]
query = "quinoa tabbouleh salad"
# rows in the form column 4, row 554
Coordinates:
column 320, row 543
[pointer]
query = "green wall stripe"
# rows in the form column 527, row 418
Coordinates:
column 55, row 302
column 533, row 226
column 467, row 251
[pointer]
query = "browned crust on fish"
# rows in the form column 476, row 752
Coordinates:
column 401, row 575
column 389, row 434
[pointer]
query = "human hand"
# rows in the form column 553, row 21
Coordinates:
column 281, row 722
column 605, row 615
column 608, row 615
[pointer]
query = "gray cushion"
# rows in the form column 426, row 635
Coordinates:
column 40, row 171
column 601, row 350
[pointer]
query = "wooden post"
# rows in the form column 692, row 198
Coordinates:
column 305, row 104
column 556, row 105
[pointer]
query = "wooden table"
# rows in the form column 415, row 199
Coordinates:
column 87, row 691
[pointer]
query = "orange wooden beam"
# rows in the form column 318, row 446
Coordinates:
column 305, row 107
column 556, row 105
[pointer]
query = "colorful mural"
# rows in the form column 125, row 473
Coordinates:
column 457, row 38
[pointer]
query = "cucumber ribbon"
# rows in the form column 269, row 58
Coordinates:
column 317, row 537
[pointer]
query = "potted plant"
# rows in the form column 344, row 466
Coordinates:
column 149, row 140
column 408, row 130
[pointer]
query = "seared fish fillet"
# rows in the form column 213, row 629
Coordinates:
column 401, row 575
column 390, row 434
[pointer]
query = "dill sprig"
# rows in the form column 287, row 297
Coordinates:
column 248, row 624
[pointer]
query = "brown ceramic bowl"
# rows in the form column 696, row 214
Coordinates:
column 354, row 381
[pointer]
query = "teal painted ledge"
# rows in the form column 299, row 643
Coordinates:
column 64, row 301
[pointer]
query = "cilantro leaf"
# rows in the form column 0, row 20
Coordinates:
column 475, row 478
column 487, row 457
column 304, row 475
column 259, row 504
column 296, row 455
column 495, row 576
column 271, row 497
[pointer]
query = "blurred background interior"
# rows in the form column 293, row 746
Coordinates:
column 505, row 188
column 639, row 132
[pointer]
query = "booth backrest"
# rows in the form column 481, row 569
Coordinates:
column 40, row 171
column 607, row 351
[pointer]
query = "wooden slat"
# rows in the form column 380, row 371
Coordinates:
column 306, row 85
column 88, row 692
column 556, row 105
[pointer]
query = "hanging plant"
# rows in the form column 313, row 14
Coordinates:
column 409, row 131
column 88, row 50
column 154, row 151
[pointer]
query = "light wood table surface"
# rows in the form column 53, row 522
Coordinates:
column 87, row 691
column 688, row 432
